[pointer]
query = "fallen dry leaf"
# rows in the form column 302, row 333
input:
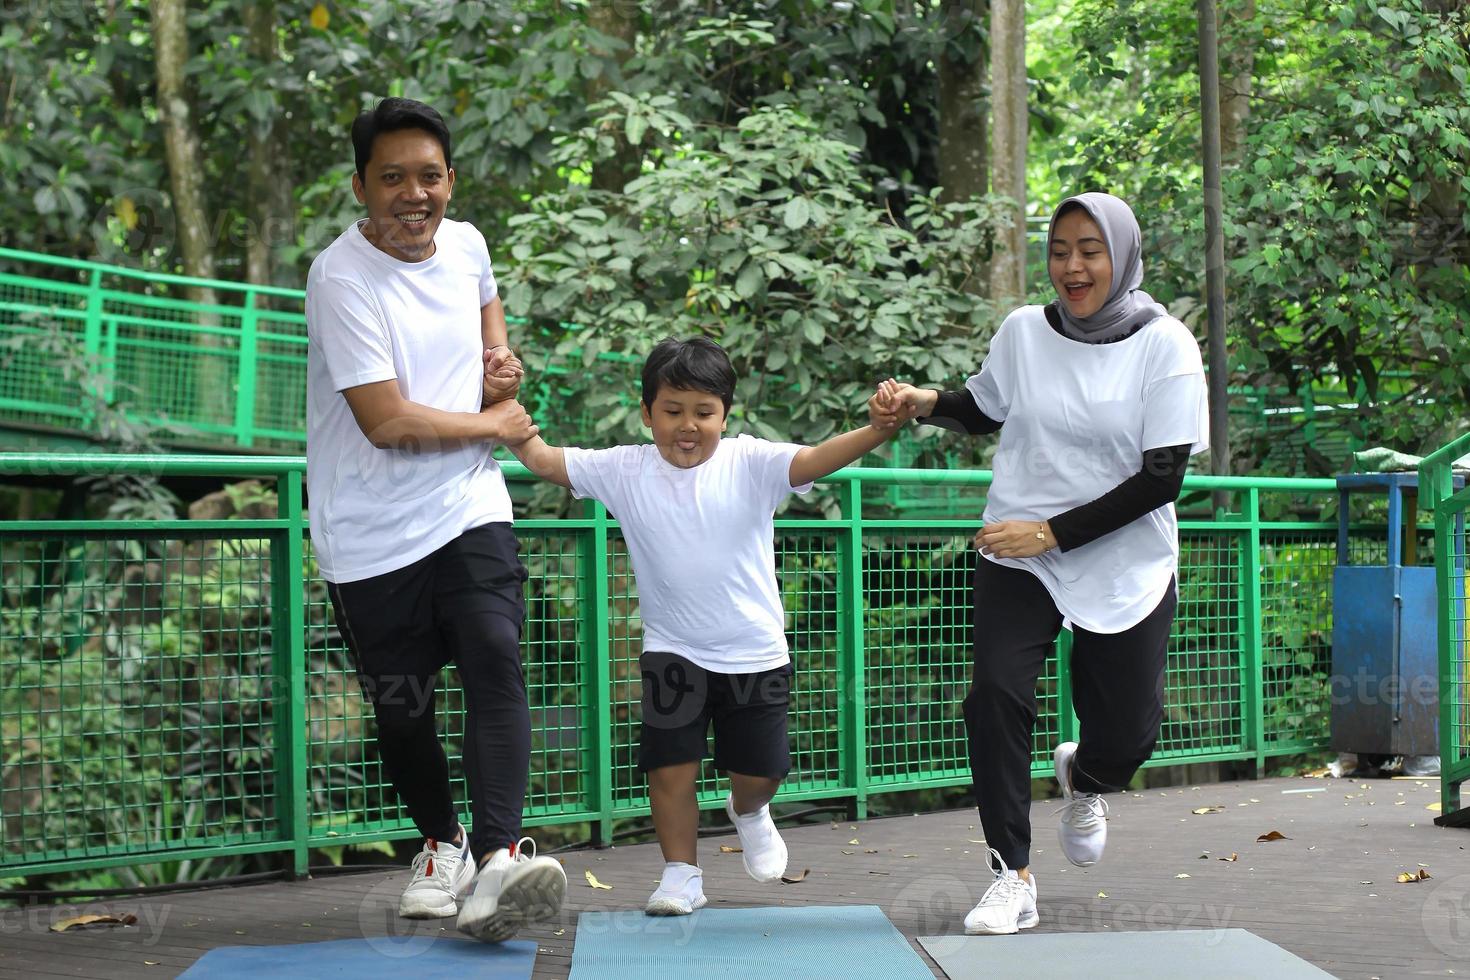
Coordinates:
column 883, row 873
column 126, row 919
column 794, row 879
column 871, row 850
column 1202, row 810
column 1270, row 836
column 1433, row 806
column 849, row 852
column 1409, row 877
column 560, row 932
column 854, row 841
column 150, row 962
column 592, row 880
column 1102, row 894
column 1182, row 876
column 910, row 855
column 1233, row 857
column 727, row 849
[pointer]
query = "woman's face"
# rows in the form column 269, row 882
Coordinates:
column 1081, row 269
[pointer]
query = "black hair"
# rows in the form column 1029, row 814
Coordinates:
column 696, row 364
column 390, row 116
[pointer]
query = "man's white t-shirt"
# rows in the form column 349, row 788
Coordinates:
column 1078, row 418
column 371, row 317
column 702, row 540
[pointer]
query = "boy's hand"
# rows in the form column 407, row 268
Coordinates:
column 1015, row 539
column 503, row 373
column 885, row 411
column 509, row 421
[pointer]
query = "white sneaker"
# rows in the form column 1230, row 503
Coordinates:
column 512, row 888
column 441, row 873
column 1009, row 904
column 1083, row 831
column 762, row 849
column 679, row 892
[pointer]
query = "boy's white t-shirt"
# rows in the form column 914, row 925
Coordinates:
column 702, row 541
column 371, row 317
column 1078, row 418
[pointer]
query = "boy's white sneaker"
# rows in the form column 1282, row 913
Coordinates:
column 1083, row 831
column 762, row 849
column 512, row 888
column 680, row 891
column 440, row 874
column 1008, row 905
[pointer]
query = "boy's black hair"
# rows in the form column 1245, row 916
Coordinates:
column 696, row 364
column 390, row 116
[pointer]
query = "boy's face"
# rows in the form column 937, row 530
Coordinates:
column 406, row 189
column 686, row 425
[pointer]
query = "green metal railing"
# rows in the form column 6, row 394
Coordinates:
column 177, row 689
column 1437, row 491
column 232, row 375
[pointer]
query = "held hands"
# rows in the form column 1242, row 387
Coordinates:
column 503, row 373
column 895, row 403
column 509, row 422
column 1015, row 539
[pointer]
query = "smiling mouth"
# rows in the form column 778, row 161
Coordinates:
column 413, row 220
column 1076, row 290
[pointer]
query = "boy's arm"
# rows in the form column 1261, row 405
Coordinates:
column 547, row 462
column 814, row 462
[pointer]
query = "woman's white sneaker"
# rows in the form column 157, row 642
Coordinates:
column 1008, row 905
column 1083, row 831
column 762, row 849
column 512, row 888
column 440, row 874
column 680, row 891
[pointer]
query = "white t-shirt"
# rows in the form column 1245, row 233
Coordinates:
column 702, row 540
column 371, row 317
column 1078, row 418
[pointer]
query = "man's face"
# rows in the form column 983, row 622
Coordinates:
column 406, row 188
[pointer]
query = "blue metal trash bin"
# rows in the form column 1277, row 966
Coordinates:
column 1385, row 663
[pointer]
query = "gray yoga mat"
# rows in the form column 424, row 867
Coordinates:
column 1199, row 954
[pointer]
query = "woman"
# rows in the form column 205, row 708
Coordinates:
column 1100, row 401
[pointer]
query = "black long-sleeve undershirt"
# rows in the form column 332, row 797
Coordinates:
column 1158, row 481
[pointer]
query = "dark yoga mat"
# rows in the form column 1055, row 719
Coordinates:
column 854, row 942
column 416, row 957
column 1199, row 954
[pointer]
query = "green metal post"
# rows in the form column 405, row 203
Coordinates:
column 1444, row 529
column 1253, row 672
column 592, row 561
column 288, row 661
column 851, row 717
column 245, row 383
column 92, row 344
column 1066, row 718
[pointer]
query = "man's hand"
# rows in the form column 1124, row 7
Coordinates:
column 883, row 410
column 503, row 373
column 509, row 422
column 1015, row 539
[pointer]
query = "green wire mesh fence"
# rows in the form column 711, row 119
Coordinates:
column 175, row 690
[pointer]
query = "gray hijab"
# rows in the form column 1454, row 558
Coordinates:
column 1127, row 307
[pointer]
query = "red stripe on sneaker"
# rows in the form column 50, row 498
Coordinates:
column 429, row 869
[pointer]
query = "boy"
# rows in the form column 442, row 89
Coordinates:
column 697, row 512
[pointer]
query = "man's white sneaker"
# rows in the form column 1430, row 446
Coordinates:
column 679, row 892
column 441, row 873
column 1083, row 832
column 1008, row 904
column 512, row 888
column 762, row 848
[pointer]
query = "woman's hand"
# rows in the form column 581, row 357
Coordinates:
column 1015, row 539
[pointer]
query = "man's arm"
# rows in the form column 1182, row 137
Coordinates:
column 547, row 462
column 389, row 420
column 503, row 369
column 814, row 462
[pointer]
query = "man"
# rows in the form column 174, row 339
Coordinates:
column 410, row 382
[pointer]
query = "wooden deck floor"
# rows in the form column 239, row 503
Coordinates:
column 1328, row 893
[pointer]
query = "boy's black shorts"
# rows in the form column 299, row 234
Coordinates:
column 680, row 699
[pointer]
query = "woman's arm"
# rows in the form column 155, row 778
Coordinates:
column 953, row 410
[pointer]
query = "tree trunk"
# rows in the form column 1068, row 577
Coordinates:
column 964, row 159
column 618, row 20
column 1440, row 237
column 1008, row 146
column 1237, row 76
column 269, row 197
column 185, row 169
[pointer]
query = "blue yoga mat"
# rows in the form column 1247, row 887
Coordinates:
column 419, row 957
column 855, row 942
